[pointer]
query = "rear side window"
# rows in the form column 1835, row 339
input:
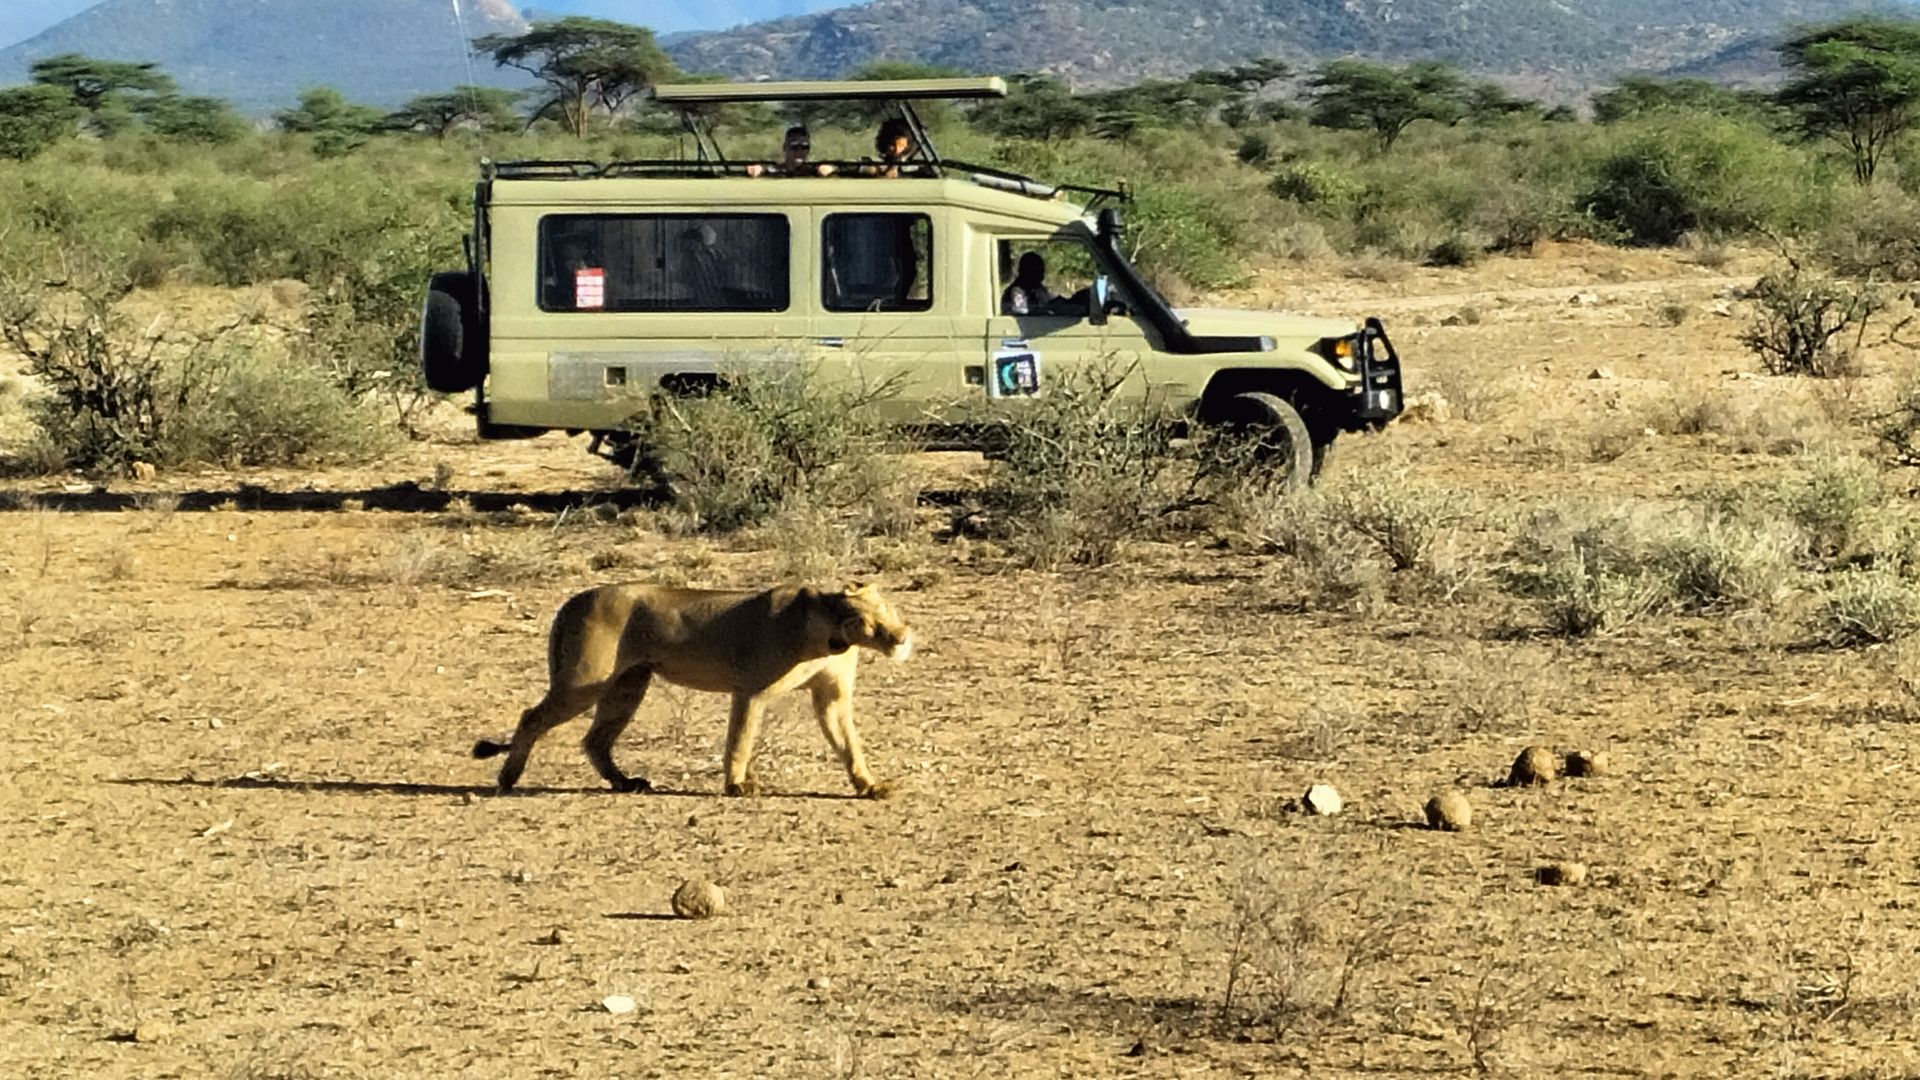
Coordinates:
column 877, row 262
column 663, row 262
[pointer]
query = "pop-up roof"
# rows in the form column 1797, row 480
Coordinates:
column 986, row 86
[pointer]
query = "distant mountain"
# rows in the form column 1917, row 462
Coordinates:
column 1105, row 42
column 1748, row 64
column 260, row 54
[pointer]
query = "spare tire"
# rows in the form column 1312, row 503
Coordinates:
column 453, row 337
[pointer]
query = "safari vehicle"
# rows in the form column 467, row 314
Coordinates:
column 591, row 287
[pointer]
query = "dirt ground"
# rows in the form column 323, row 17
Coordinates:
column 241, row 834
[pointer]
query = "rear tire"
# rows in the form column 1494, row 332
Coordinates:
column 453, row 343
column 1283, row 440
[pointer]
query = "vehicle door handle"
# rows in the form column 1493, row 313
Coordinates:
column 832, row 342
column 1013, row 343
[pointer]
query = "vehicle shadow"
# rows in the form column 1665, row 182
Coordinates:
column 407, row 497
column 406, row 788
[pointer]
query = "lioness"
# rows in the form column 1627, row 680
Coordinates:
column 608, row 643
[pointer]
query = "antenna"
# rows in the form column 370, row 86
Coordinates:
column 466, row 55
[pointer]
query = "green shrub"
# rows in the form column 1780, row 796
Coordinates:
column 1404, row 519
column 116, row 390
column 237, row 231
column 1083, row 472
column 1591, row 571
column 1869, row 607
column 1315, row 183
column 1726, row 566
column 1681, row 173
column 769, row 441
column 1838, row 505
column 261, row 411
column 1800, row 314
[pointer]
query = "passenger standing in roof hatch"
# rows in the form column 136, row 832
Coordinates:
column 793, row 157
column 893, row 143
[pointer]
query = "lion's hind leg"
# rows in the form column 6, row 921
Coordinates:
column 559, row 706
column 610, row 718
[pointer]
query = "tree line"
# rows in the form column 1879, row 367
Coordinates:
column 1854, row 84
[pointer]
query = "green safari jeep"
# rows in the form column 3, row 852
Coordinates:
column 590, row 287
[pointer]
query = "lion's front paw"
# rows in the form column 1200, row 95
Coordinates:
column 878, row 789
column 746, row 789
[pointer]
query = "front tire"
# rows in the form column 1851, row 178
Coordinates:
column 1282, row 439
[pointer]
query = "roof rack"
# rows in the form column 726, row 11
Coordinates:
column 990, row 86
column 984, row 175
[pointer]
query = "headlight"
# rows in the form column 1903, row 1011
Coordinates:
column 1341, row 352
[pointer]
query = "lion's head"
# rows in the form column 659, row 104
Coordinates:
column 860, row 616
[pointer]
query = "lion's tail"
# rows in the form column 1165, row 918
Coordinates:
column 487, row 748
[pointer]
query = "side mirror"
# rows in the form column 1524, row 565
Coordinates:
column 1097, row 301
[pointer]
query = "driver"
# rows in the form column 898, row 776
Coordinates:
column 1029, row 295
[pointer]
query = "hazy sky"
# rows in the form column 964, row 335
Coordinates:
column 21, row 19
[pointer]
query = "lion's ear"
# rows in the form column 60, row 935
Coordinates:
column 859, row 588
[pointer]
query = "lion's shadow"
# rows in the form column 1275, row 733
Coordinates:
column 411, row 789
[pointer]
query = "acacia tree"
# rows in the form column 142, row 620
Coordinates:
column 1637, row 95
column 33, row 118
column 585, row 63
column 336, row 124
column 195, row 119
column 1857, row 83
column 101, row 88
column 1040, row 108
column 485, row 107
column 1358, row 95
column 1248, row 78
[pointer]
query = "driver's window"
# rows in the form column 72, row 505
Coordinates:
column 1044, row 277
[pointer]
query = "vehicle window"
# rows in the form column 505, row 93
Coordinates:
column 1044, row 276
column 877, row 262
column 663, row 262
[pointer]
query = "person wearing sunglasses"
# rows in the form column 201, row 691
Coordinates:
column 793, row 158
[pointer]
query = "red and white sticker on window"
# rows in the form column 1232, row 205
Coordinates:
column 589, row 287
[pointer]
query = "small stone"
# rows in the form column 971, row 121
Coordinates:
column 1585, row 299
column 618, row 1004
column 151, row 1031
column 142, row 471
column 555, row 936
column 521, row 877
column 699, row 899
column 1600, row 373
column 1585, row 763
column 1535, row 765
column 1449, row 811
column 1722, row 309
column 1431, row 407
column 1321, row 800
column 289, row 292
column 1566, row 874
column 821, row 983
